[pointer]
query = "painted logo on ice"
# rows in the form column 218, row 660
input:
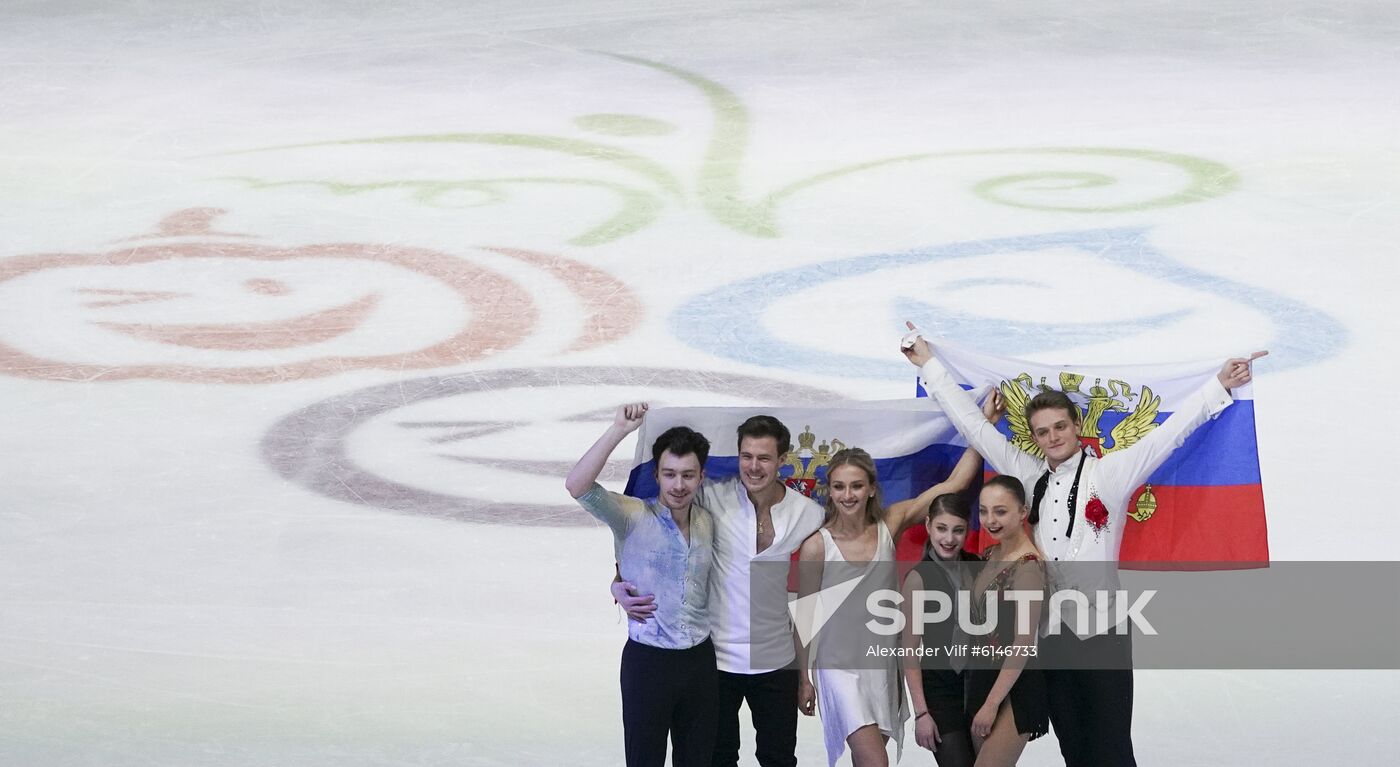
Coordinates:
column 190, row 303
column 1107, row 286
column 487, row 446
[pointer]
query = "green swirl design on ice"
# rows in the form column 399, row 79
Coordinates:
column 717, row 184
column 624, row 125
column 639, row 207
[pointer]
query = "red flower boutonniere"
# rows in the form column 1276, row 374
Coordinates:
column 1096, row 514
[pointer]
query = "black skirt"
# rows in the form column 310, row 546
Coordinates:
column 1030, row 705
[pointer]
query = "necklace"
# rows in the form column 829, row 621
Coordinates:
column 760, row 524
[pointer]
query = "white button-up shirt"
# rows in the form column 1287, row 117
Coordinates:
column 741, row 631
column 1111, row 479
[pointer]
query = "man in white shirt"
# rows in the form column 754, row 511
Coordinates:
column 1079, row 507
column 756, row 519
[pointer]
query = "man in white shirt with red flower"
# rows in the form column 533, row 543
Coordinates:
column 1079, row 509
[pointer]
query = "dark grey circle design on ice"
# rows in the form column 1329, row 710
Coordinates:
column 308, row 447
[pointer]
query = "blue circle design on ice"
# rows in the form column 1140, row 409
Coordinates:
column 723, row 322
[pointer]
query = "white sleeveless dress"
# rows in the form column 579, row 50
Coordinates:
column 849, row 699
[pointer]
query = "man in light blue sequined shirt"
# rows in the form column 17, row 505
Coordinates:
column 665, row 545
column 650, row 549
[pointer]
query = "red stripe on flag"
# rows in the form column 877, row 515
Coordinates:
column 1210, row 524
column 909, row 549
column 910, row 546
column 1221, row 523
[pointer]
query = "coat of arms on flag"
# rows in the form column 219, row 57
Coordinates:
column 802, row 471
column 1204, row 504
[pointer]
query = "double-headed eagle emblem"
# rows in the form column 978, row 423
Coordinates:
column 1118, row 396
column 806, row 460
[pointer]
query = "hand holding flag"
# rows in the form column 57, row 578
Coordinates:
column 1237, row 371
column 1204, row 503
column 915, row 347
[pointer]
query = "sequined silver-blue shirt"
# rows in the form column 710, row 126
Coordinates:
column 654, row 556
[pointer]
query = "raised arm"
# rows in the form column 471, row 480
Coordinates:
column 809, row 581
column 586, row 471
column 963, row 411
column 1238, row 371
column 905, row 513
column 1126, row 469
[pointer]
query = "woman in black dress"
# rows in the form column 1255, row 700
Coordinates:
column 1005, row 690
column 936, row 688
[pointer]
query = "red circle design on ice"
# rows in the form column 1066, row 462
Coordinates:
column 503, row 312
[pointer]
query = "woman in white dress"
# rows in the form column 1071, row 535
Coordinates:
column 861, row 707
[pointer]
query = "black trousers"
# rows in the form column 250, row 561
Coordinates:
column 1092, row 710
column 772, row 699
column 668, row 692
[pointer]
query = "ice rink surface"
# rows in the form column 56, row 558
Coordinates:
column 305, row 308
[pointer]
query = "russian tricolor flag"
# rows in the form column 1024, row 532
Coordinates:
column 914, row 446
column 1205, row 503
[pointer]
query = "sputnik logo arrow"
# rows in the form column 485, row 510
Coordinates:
column 810, row 613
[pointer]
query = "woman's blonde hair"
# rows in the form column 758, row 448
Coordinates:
column 854, row 456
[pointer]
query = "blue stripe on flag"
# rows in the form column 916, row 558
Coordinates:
column 1220, row 452
column 900, row 477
